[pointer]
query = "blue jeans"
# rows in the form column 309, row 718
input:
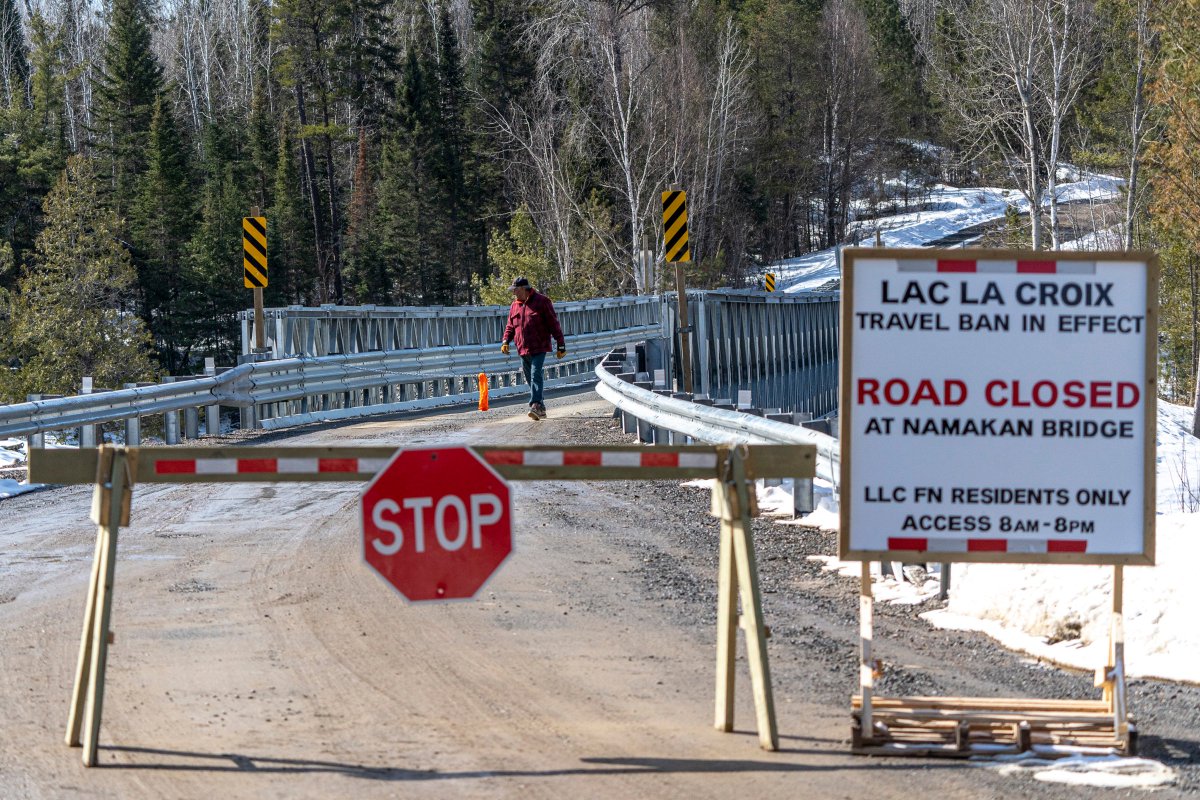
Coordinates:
column 531, row 365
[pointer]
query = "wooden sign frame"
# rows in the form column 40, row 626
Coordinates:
column 1048, row 555
column 115, row 470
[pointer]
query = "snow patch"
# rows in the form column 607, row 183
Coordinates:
column 1108, row 772
column 11, row 488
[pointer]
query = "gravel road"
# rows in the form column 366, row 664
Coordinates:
column 256, row 656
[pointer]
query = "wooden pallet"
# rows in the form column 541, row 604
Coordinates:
column 960, row 727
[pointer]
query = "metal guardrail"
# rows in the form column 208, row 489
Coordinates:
column 329, row 330
column 298, row 390
column 295, row 391
column 714, row 425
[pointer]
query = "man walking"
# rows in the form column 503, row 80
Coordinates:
column 531, row 322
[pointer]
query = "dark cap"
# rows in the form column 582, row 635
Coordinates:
column 519, row 283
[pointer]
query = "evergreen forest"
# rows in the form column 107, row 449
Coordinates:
column 424, row 152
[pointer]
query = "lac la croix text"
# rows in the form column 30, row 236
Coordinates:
column 1090, row 294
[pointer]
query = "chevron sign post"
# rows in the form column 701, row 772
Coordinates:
column 676, row 250
column 254, row 267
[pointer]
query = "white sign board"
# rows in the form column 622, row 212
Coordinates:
column 998, row 406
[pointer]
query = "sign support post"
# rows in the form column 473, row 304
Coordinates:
column 675, row 251
column 254, row 264
column 866, row 666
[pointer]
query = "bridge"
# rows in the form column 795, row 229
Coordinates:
column 338, row 363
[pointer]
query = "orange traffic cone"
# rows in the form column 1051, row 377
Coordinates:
column 483, row 391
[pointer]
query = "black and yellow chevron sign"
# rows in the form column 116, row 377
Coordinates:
column 675, row 235
column 254, row 252
column 769, row 281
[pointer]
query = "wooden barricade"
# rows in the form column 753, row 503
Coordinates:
column 115, row 471
column 960, row 727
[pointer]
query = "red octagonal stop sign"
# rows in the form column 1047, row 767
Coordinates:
column 436, row 523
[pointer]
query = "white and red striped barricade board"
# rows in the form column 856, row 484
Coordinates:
column 512, row 462
column 998, row 406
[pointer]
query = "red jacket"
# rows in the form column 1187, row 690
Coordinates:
column 532, row 323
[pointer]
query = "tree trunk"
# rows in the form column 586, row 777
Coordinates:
column 1195, row 351
column 1137, row 124
column 310, row 177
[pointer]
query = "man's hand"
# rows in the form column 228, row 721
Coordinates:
column 504, row 348
column 562, row 351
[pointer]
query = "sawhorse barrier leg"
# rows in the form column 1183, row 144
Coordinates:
column 110, row 510
column 738, row 575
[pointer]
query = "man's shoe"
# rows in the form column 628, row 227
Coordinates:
column 540, row 409
column 533, row 413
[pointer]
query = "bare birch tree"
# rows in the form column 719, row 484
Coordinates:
column 851, row 106
column 1145, row 45
column 532, row 142
column 1070, row 28
column 987, row 71
column 706, row 115
column 1013, row 70
column 76, row 25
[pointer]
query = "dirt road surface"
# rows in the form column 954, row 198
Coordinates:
column 256, row 656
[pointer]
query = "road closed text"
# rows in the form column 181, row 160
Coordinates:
column 997, row 393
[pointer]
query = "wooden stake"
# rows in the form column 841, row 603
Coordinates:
column 866, row 666
column 756, row 633
column 102, row 615
column 727, row 587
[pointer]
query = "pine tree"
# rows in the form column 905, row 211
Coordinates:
column 48, row 87
column 505, row 65
column 289, row 232
column 517, row 252
column 214, row 291
column 784, row 179
column 162, row 221
column 459, row 246
column 367, row 275
column 411, row 194
column 309, row 31
column 73, row 311
column 32, row 154
column 899, row 65
column 263, row 144
column 370, row 59
column 128, row 83
column 14, row 58
column 504, row 71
